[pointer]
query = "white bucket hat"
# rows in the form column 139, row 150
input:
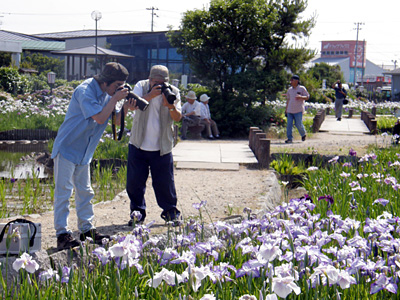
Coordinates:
column 204, row 98
column 191, row 95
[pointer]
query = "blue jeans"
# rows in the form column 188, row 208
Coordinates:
column 68, row 177
column 162, row 175
column 298, row 122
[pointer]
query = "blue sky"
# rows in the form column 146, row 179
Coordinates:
column 335, row 19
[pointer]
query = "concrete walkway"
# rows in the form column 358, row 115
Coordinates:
column 214, row 155
column 228, row 155
column 352, row 125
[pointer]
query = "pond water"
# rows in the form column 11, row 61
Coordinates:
column 17, row 160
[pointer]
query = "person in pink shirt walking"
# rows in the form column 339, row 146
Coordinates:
column 296, row 96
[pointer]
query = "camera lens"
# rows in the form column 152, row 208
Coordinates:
column 140, row 102
column 167, row 91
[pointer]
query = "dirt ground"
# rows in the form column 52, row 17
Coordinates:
column 226, row 192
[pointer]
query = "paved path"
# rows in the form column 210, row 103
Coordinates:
column 228, row 155
column 212, row 155
column 346, row 126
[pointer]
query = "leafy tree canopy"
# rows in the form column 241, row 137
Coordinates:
column 325, row 71
column 242, row 45
column 313, row 79
column 241, row 49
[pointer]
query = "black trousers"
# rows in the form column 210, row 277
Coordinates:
column 140, row 162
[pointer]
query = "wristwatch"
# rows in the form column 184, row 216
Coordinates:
column 172, row 109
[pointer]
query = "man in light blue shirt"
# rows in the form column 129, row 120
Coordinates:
column 85, row 121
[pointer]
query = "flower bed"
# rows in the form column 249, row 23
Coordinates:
column 342, row 244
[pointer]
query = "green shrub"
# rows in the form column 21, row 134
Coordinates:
column 286, row 166
column 39, row 82
column 13, row 82
column 235, row 120
column 197, row 88
column 385, row 124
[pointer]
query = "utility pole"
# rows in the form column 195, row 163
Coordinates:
column 152, row 15
column 355, row 53
column 362, row 67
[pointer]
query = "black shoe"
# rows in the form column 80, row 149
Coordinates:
column 210, row 137
column 66, row 241
column 173, row 215
column 303, row 138
column 339, row 119
column 288, row 141
column 183, row 138
column 131, row 222
column 94, row 235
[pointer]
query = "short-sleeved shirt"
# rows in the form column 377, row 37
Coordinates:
column 152, row 134
column 338, row 94
column 188, row 108
column 296, row 106
column 79, row 134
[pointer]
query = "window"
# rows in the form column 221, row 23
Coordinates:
column 173, row 55
column 152, row 53
column 162, row 53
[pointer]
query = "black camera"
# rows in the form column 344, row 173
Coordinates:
column 166, row 89
column 140, row 102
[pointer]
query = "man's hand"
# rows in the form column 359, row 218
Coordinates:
column 166, row 103
column 299, row 97
column 130, row 104
column 120, row 94
column 155, row 91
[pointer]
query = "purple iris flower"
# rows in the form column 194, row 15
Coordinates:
column 352, row 152
column 327, row 198
column 306, row 197
column 66, row 271
column 199, row 205
column 136, row 215
column 381, row 201
column 250, row 268
column 383, row 283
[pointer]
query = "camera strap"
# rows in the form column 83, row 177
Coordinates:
column 113, row 124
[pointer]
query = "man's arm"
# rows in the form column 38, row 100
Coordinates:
column 103, row 116
column 175, row 114
column 304, row 96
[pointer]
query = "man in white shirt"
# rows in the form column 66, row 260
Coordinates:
column 211, row 126
column 150, row 146
column 191, row 111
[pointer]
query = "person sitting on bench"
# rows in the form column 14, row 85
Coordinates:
column 190, row 113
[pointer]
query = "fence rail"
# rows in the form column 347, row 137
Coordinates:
column 27, row 134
